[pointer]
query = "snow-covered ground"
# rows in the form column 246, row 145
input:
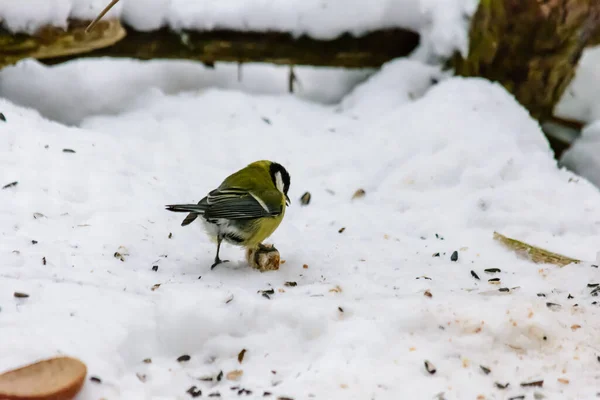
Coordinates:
column 443, row 166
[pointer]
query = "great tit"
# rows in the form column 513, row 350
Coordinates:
column 245, row 209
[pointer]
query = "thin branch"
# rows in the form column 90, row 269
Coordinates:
column 99, row 17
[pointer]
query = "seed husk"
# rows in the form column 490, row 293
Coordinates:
column 342, row 229
column 68, row 151
column 20, row 295
column 501, row 386
column 9, row 185
column 358, row 194
column 485, row 369
column 454, row 256
column 429, row 367
column 539, row 383
column 194, row 391
column 95, row 379
column 553, row 306
column 155, row 268
column 291, row 284
column 305, row 199
column 474, row 275
column 241, row 355
column 184, row 358
column 492, row 270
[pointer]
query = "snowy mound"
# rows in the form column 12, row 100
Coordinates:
column 443, row 24
column 442, row 168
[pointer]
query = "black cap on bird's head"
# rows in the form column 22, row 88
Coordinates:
column 281, row 179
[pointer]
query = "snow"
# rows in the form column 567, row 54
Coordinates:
column 443, row 25
column 445, row 162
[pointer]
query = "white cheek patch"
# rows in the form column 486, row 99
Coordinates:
column 279, row 181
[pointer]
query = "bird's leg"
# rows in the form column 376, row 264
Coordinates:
column 217, row 259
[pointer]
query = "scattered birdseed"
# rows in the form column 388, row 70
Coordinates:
column 241, row 355
column 504, row 289
column 183, row 358
column 155, row 268
column 154, row 287
column 492, row 270
column 358, row 194
column 284, row 398
column 147, row 361
column 574, row 327
column 486, row 370
column 68, row 151
column 305, row 199
column 305, row 266
column 266, row 394
column 141, row 377
column 429, row 367
column 427, row 293
column 340, row 309
column 454, row 256
column 215, row 394
column 474, row 275
column 501, row 386
column 534, row 383
column 435, row 255
column 521, row 397
column 34, row 242
column 9, row 185
column 594, row 266
column 244, row 391
column 170, row 235
column 593, row 284
column 44, row 260
column 494, row 280
column 564, row 381
column 2, row 117
column 95, row 379
column 37, row 215
column 541, row 295
column 439, row 237
column 194, row 391
column 220, row 376
column 570, row 297
column 342, row 229
column 267, row 291
column 291, row 284
column 266, row 120
column 20, row 295
column 229, row 300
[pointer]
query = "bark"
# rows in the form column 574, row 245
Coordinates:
column 530, row 46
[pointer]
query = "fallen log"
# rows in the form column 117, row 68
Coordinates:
column 51, row 46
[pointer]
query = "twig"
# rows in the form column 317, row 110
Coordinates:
column 535, row 254
column 99, row 17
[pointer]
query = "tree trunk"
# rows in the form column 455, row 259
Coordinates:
column 530, row 46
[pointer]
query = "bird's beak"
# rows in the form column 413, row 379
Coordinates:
column 287, row 200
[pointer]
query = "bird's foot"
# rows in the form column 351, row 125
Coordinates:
column 217, row 262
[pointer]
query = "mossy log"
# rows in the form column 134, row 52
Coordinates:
column 368, row 51
column 531, row 47
column 51, row 42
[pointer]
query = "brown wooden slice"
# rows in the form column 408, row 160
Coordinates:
column 59, row 378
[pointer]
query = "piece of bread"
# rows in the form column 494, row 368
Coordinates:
column 263, row 260
column 59, row 378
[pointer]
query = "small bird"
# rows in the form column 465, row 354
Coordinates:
column 245, row 209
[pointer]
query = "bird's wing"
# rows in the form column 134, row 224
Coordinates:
column 237, row 203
